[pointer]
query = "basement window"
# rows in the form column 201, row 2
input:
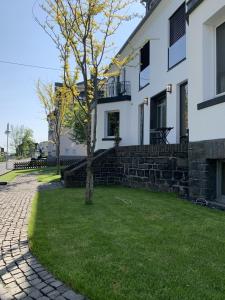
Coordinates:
column 221, row 181
column 177, row 49
column 112, row 123
column 144, row 75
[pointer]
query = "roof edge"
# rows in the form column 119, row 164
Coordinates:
column 153, row 7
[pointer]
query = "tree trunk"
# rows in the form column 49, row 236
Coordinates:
column 89, row 182
column 58, row 157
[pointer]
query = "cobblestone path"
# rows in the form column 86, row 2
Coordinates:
column 21, row 276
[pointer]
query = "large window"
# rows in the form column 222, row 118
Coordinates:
column 112, row 123
column 220, row 57
column 144, row 76
column 157, row 116
column 177, row 49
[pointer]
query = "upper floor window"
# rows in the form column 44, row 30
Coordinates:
column 177, row 49
column 144, row 75
column 220, row 58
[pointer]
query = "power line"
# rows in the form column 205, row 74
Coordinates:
column 29, row 66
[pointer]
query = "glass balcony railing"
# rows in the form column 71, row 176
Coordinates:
column 144, row 77
column 177, row 52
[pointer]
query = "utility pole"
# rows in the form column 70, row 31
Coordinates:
column 7, row 132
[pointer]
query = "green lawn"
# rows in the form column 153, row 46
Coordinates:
column 131, row 244
column 43, row 175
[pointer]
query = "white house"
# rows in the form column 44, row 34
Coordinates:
column 68, row 148
column 174, row 85
column 206, row 79
column 43, row 148
column 151, row 91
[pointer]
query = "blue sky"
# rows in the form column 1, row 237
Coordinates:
column 23, row 41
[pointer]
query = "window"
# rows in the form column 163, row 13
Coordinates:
column 177, row 25
column 113, row 120
column 144, row 75
column 220, row 58
column 221, row 180
column 184, row 112
column 141, row 124
column 161, row 114
column 177, row 49
column 157, row 116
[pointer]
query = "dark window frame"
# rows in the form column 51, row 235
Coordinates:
column 141, row 68
column 183, row 5
column 219, row 89
column 180, row 34
column 107, row 135
column 184, row 134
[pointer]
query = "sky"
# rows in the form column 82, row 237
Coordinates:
column 24, row 41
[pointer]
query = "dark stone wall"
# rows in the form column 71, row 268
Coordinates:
column 104, row 166
column 156, row 167
column 203, row 157
column 190, row 170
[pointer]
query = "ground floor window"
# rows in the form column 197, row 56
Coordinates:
column 221, row 180
column 141, row 124
column 112, row 123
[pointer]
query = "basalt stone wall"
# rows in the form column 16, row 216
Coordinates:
column 104, row 166
column 203, row 157
column 156, row 167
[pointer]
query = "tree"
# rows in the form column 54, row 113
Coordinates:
column 76, row 121
column 82, row 31
column 28, row 145
column 56, row 102
column 16, row 136
column 22, row 141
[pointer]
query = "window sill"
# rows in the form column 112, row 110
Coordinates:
column 141, row 88
column 211, row 102
column 171, row 68
column 110, row 139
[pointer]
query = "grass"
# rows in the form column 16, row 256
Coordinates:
column 131, row 244
column 45, row 175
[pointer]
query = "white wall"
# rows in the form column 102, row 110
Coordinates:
column 155, row 29
column 67, row 147
column 207, row 123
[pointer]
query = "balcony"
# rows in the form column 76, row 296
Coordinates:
column 177, row 52
column 116, row 92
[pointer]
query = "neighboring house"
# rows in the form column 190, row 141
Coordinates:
column 43, row 148
column 68, row 148
column 176, row 80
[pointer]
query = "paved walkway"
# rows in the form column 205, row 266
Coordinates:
column 21, row 276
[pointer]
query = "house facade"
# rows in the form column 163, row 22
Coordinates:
column 173, row 89
column 151, row 91
column 206, row 78
column 68, row 148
